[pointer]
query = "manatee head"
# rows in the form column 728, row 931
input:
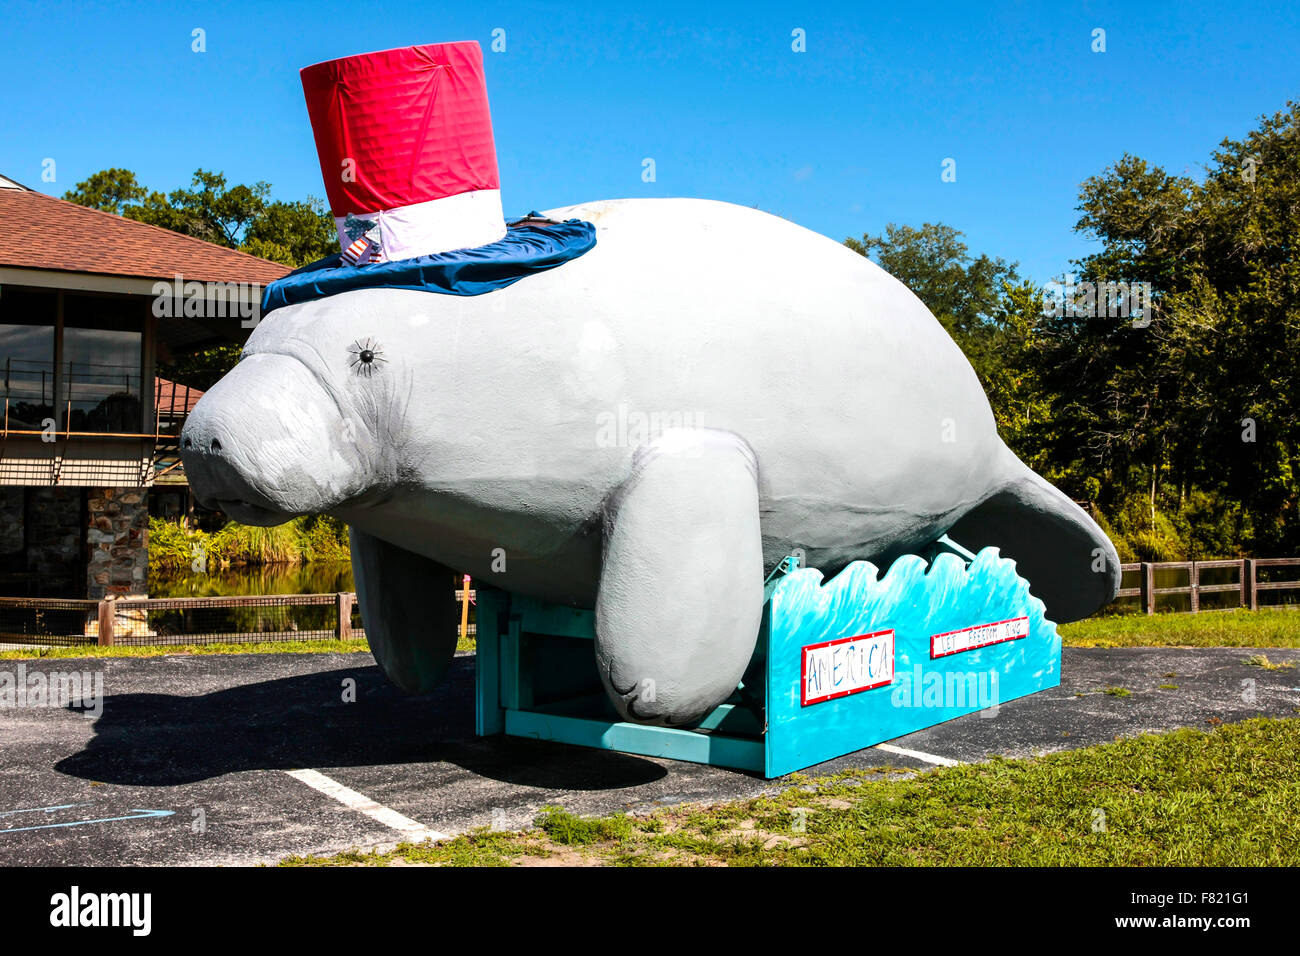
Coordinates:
column 312, row 416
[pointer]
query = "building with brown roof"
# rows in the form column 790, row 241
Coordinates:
column 90, row 303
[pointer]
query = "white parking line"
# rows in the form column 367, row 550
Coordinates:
column 363, row 804
column 919, row 755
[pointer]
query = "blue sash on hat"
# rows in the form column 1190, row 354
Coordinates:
column 532, row 244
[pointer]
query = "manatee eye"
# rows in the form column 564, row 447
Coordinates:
column 367, row 356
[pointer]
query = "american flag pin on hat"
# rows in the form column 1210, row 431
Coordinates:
column 404, row 139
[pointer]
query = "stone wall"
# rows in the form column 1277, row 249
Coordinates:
column 117, row 542
column 73, row 542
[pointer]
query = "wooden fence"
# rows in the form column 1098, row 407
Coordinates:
column 299, row 617
column 1247, row 586
column 209, row 620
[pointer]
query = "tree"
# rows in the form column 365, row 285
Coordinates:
column 110, row 190
column 1184, row 430
column 295, row 233
column 1202, row 407
column 201, row 369
column 1208, row 397
column 965, row 294
column 237, row 217
column 209, row 210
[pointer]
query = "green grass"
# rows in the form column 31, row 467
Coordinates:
column 481, row 848
column 155, row 650
column 1223, row 797
column 565, row 828
column 1264, row 628
column 1261, row 660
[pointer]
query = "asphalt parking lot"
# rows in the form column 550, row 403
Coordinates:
column 250, row 758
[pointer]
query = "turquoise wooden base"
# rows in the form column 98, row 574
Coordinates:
column 838, row 666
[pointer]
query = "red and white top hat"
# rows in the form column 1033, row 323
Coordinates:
column 405, row 141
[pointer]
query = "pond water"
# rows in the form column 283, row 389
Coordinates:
column 313, row 578
column 325, row 578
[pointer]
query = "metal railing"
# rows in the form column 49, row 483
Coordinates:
column 171, row 406
column 48, row 621
column 172, row 403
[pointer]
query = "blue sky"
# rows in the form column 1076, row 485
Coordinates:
column 842, row 138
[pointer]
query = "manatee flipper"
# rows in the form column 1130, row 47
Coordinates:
column 681, row 587
column 1069, row 562
column 408, row 607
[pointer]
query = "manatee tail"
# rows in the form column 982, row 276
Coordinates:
column 1070, row 564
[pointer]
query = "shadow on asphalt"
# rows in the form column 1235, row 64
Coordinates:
column 300, row 722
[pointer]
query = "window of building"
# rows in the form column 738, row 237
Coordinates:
column 27, row 358
column 103, row 341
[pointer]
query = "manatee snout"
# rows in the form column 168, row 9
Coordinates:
column 268, row 442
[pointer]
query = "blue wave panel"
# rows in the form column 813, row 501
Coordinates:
column 952, row 599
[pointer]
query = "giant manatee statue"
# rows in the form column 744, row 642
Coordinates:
column 646, row 430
